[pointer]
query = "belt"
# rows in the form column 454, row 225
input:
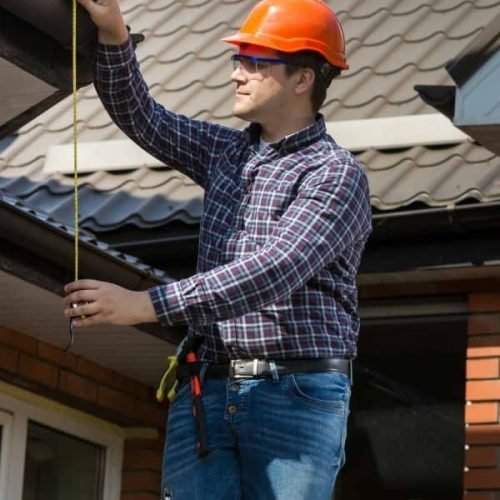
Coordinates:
column 256, row 368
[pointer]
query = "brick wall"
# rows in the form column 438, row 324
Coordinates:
column 482, row 433
column 82, row 384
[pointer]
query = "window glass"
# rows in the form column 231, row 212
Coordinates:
column 59, row 466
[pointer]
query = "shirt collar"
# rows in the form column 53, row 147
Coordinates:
column 293, row 142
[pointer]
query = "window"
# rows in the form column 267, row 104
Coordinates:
column 60, row 466
column 49, row 451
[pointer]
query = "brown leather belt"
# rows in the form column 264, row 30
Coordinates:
column 257, row 368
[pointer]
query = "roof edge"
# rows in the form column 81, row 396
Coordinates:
column 53, row 243
column 476, row 53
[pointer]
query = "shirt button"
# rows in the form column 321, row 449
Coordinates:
column 232, row 409
column 234, row 387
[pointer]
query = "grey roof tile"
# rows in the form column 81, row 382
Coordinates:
column 438, row 176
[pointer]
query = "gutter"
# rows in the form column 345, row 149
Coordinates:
column 45, row 250
column 456, row 219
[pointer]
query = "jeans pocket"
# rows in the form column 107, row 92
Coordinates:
column 326, row 391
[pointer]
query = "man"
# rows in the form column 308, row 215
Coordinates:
column 273, row 302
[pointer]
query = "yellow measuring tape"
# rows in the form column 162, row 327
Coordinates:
column 172, row 360
column 75, row 130
column 75, row 153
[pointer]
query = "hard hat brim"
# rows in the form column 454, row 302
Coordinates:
column 286, row 45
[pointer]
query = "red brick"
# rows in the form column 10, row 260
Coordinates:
column 18, row 340
column 144, row 444
column 92, row 370
column 118, row 401
column 482, row 434
column 78, row 386
column 483, row 346
column 481, row 413
column 130, row 386
column 482, row 479
column 8, row 358
column 39, row 371
column 484, row 302
column 474, row 495
column 482, row 390
column 481, row 456
column 150, row 413
column 56, row 356
column 142, row 460
column 140, row 481
column 483, row 368
column 483, row 323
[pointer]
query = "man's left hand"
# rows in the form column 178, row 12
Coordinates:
column 91, row 302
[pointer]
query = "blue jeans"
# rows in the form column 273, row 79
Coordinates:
column 268, row 439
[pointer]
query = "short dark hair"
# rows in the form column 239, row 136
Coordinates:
column 324, row 72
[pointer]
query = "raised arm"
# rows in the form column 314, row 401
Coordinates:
column 108, row 18
column 184, row 144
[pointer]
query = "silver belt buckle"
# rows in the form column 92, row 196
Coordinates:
column 242, row 373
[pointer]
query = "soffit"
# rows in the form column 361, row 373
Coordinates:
column 34, row 311
column 19, row 91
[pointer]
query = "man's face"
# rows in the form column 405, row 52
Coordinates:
column 262, row 92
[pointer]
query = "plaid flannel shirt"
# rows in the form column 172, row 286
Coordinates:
column 282, row 233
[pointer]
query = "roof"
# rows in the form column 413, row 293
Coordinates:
column 21, row 233
column 391, row 47
column 476, row 53
column 476, row 71
column 35, row 68
column 36, row 259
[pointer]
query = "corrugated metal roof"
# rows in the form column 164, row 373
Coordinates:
column 392, row 46
column 143, row 197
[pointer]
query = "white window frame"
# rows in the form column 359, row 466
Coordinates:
column 15, row 413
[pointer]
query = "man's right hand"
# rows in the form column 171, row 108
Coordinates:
column 108, row 18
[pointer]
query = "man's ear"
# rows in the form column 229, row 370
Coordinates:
column 304, row 80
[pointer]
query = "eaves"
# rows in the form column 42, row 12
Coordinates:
column 41, row 251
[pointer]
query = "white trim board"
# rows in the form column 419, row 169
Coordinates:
column 123, row 154
column 355, row 135
column 396, row 132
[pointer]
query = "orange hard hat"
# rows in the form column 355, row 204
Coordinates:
column 292, row 26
